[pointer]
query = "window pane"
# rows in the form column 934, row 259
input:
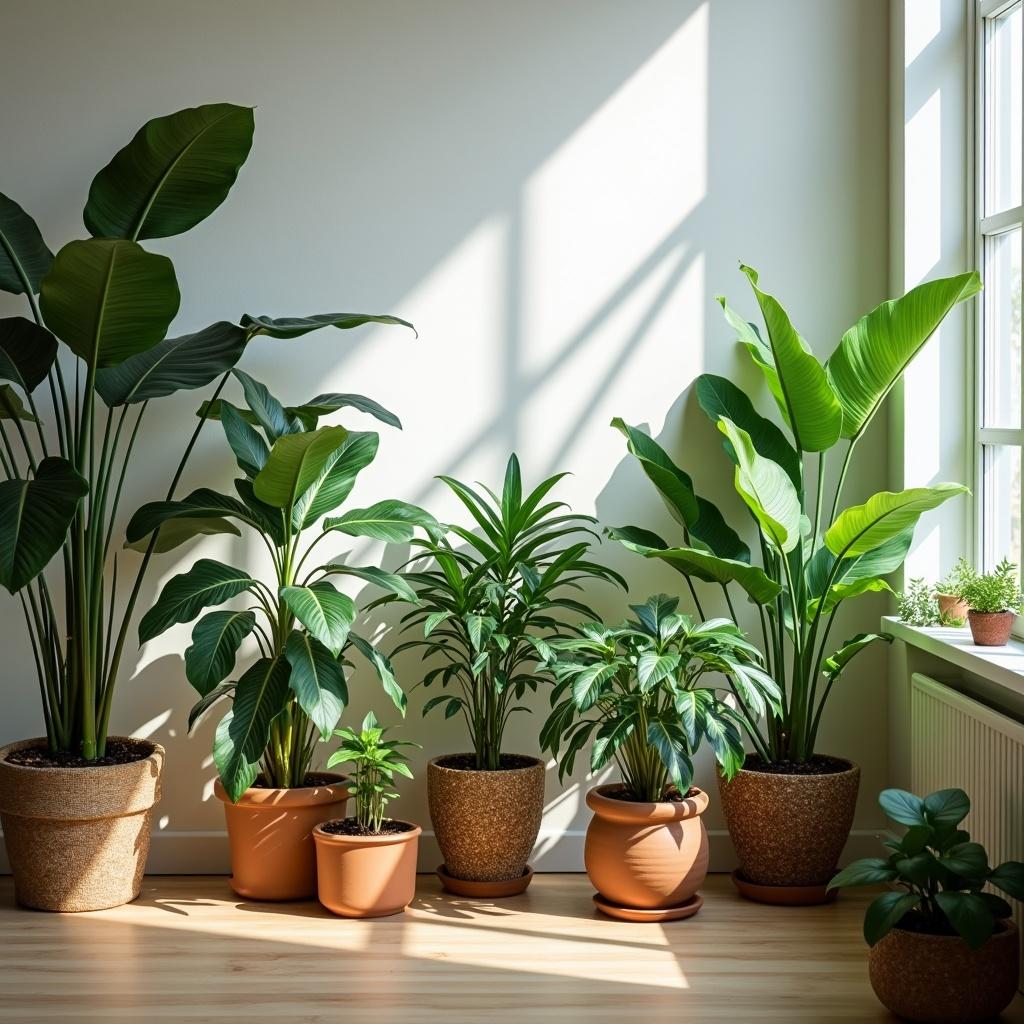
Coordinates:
column 1003, row 122
column 1001, row 503
column 1001, row 330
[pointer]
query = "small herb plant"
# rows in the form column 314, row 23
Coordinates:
column 644, row 691
column 917, row 605
column 939, row 873
column 375, row 761
column 996, row 591
column 957, row 580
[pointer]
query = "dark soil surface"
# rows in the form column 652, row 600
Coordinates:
column 671, row 795
column 467, row 762
column 818, row 764
column 351, row 827
column 312, row 779
column 915, row 922
column 118, row 752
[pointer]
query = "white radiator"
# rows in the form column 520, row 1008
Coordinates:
column 957, row 742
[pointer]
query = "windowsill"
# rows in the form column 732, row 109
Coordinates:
column 1003, row 666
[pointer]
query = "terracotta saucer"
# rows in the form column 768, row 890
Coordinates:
column 485, row 890
column 784, row 895
column 677, row 913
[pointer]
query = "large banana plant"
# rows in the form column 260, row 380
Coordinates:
column 295, row 472
column 79, row 373
column 813, row 555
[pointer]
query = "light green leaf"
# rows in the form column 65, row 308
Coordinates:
column 336, row 479
column 840, row 592
column 325, row 612
column 379, row 577
column 834, row 665
column 390, row 520
column 295, row 463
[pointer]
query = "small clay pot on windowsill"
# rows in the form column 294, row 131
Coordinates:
column 991, row 629
column 952, row 610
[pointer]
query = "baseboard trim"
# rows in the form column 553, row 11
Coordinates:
column 205, row 852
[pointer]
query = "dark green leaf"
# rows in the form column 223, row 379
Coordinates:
column 204, row 704
column 296, row 326
column 323, row 405
column 869, row 871
column 296, row 461
column 337, row 477
column 27, row 352
column 216, row 638
column 969, row 915
column 267, row 410
column 317, row 681
column 186, row 595
column 1010, row 878
column 325, row 612
column 251, row 451
column 968, row 860
column 885, row 912
column 175, row 532
column 385, row 673
column 390, row 520
column 202, row 504
column 947, row 807
column 24, row 256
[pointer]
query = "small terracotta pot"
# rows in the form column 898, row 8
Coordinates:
column 486, row 823
column 77, row 838
column 789, row 830
column 646, row 856
column 270, row 834
column 991, row 629
column 952, row 609
column 366, row 876
column 939, row 979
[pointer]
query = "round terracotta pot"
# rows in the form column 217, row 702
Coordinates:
column 366, row 876
column 952, row 609
column 270, row 835
column 789, row 830
column 991, row 629
column 939, row 979
column 486, row 823
column 646, row 855
column 77, row 838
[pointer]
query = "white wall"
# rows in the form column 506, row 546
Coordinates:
column 552, row 192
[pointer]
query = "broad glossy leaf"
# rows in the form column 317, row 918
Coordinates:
column 108, row 299
column 174, row 364
column 834, row 665
column 862, row 528
column 869, row 871
column 267, row 410
column 337, row 477
column 881, row 561
column 885, row 912
column 35, row 515
column 323, row 405
column 244, row 732
column 901, row 806
column 295, row 463
column 175, row 532
column 712, row 530
column 391, row 520
column 173, row 174
column 27, row 352
column 325, row 612
column 24, row 256
column 669, row 740
column 873, row 354
column 968, row 860
column 251, row 451
column 216, row 638
column 317, row 680
column 379, row 577
column 840, row 592
column 1010, row 878
column 296, row 326
column 204, row 704
column 184, row 596
column 674, row 486
column 969, row 915
column 766, row 489
column 200, row 504
column 947, row 806
column 12, row 407
column 760, row 352
column 385, row 673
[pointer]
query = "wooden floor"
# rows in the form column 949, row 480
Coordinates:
column 189, row 950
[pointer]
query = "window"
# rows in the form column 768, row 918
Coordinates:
column 1000, row 430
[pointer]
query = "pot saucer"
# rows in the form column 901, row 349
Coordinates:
column 677, row 913
column 485, row 890
column 784, row 895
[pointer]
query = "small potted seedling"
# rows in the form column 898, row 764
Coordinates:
column 995, row 600
column 942, row 947
column 949, row 592
column 366, row 865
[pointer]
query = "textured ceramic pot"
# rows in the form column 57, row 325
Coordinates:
column 991, row 629
column 939, row 979
column 486, row 823
column 646, row 856
column 270, row 833
column 789, row 830
column 366, row 876
column 952, row 609
column 77, row 838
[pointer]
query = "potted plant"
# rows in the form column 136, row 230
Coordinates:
column 294, row 472
column 790, row 808
column 943, row 949
column 79, row 373
column 643, row 692
column 994, row 599
column 950, row 590
column 486, row 612
column 366, row 864
column 918, row 604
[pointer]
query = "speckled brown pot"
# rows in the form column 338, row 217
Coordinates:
column 77, row 838
column 939, row 979
column 991, row 629
column 646, row 855
column 485, row 822
column 789, row 830
column 952, row 609
column 270, row 832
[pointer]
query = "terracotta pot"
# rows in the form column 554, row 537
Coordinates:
column 991, row 629
column 485, row 822
column 952, row 609
column 77, row 838
column 270, row 834
column 789, row 830
column 939, row 979
column 646, row 856
column 366, row 876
